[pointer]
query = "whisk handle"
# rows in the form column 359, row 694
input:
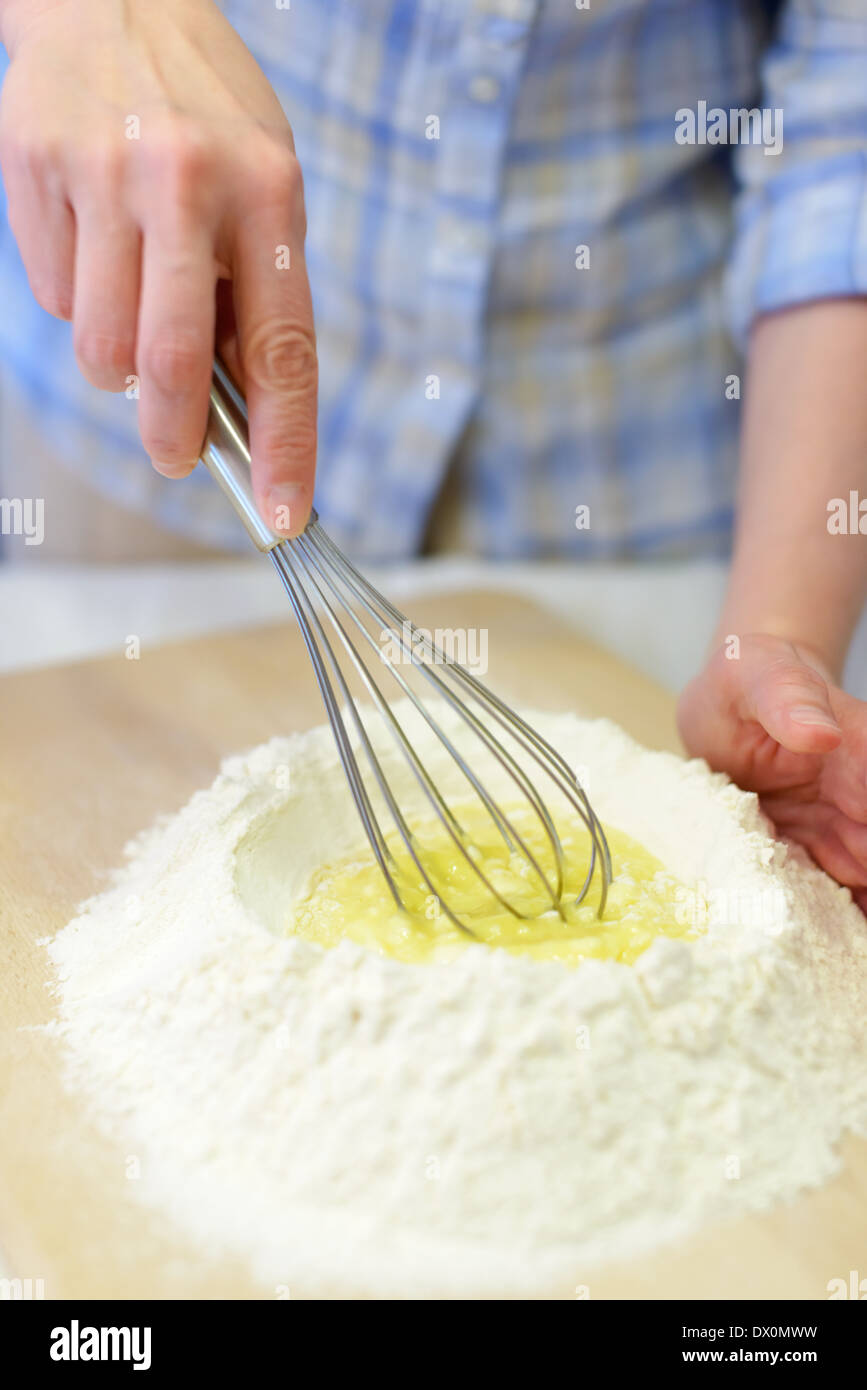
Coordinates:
column 226, row 455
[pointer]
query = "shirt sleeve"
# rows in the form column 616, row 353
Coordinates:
column 801, row 216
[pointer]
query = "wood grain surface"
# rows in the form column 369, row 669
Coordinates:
column 89, row 754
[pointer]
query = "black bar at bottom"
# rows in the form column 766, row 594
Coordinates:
column 152, row 1338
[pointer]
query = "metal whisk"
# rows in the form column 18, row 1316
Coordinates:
column 344, row 619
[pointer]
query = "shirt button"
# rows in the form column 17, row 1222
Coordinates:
column 484, row 88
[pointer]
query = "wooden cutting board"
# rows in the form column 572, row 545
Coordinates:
column 89, row 754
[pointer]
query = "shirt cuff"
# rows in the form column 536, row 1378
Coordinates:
column 799, row 237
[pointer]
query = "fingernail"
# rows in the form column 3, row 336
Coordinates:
column 808, row 714
column 282, row 504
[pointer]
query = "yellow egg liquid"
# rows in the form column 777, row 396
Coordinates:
column 352, row 899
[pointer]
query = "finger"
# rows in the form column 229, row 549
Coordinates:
column 814, row 834
column 278, row 351
column 107, row 273
column 175, row 346
column 43, row 225
column 791, row 701
column 853, row 838
column 832, row 855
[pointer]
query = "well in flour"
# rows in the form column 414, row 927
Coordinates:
column 286, row 1099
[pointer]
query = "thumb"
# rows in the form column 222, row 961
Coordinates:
column 792, row 703
column 278, row 354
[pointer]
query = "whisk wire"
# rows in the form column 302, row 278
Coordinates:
column 510, row 835
column 292, row 582
column 322, row 583
column 300, row 605
column 368, row 596
column 538, row 748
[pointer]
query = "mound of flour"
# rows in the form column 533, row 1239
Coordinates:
column 494, row 1124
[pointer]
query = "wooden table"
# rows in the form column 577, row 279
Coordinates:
column 89, row 754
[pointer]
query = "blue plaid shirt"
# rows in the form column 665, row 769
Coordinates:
column 457, row 155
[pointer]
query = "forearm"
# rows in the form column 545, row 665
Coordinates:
column 804, row 443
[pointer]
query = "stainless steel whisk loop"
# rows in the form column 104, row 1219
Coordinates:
column 346, row 624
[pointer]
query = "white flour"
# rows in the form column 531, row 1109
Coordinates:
column 494, row 1124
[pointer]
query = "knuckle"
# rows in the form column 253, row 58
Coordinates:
column 301, row 440
column 182, row 157
column 277, row 173
column 10, row 153
column 168, row 450
column 26, row 156
column 282, row 357
column 191, row 154
column 101, row 165
column 288, row 450
column 172, row 364
column 790, row 675
column 103, row 352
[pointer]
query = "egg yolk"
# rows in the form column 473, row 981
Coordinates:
column 352, row 900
